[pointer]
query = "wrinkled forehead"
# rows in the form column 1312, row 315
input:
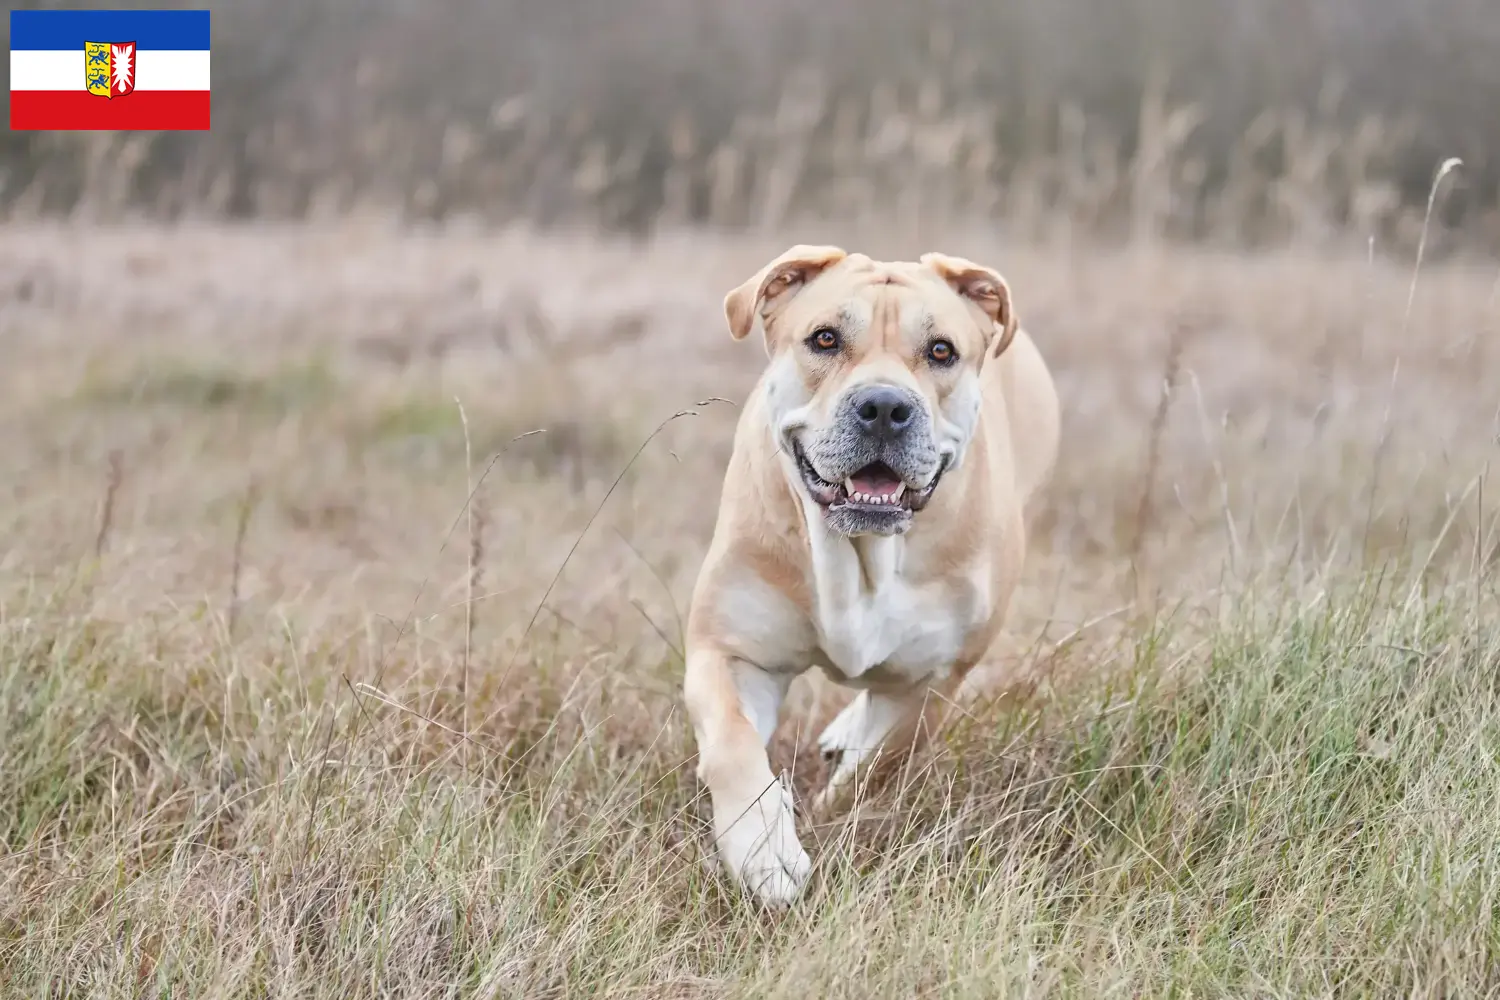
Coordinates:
column 860, row 294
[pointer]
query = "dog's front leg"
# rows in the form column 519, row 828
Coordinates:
column 876, row 722
column 734, row 705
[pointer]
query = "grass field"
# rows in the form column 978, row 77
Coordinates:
column 246, row 620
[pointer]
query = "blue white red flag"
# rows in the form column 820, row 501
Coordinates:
column 109, row 69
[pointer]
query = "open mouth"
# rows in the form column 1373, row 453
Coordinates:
column 876, row 487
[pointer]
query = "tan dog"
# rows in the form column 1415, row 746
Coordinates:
column 870, row 522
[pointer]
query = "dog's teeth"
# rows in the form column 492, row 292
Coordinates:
column 900, row 488
column 849, row 486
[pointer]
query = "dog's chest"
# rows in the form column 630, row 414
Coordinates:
column 876, row 625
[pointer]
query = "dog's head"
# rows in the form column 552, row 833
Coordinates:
column 873, row 391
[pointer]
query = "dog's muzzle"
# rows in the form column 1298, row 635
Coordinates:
column 876, row 464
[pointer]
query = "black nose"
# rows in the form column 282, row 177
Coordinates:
column 883, row 410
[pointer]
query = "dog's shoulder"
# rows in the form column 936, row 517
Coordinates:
column 754, row 591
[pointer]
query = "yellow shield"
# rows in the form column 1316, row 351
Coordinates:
column 96, row 68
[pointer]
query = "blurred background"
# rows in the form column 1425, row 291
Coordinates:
column 1244, row 121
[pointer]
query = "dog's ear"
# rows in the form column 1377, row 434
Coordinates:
column 984, row 289
column 774, row 284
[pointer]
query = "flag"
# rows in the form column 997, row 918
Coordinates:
column 109, row 69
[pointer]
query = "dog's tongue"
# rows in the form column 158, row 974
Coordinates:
column 876, row 480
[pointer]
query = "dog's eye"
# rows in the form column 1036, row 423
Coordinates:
column 941, row 352
column 824, row 340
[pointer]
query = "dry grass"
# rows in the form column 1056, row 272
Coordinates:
column 238, row 658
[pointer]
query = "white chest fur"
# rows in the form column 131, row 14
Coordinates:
column 875, row 626
column 869, row 624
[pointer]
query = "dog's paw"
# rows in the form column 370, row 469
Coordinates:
column 758, row 846
column 848, row 730
column 850, row 740
column 836, row 791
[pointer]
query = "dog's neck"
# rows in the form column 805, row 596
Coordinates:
column 879, row 558
column 844, row 567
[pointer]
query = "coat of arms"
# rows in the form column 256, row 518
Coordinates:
column 109, row 68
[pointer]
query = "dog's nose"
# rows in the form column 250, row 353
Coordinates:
column 883, row 410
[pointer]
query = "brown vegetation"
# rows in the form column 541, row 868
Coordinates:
column 234, row 755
